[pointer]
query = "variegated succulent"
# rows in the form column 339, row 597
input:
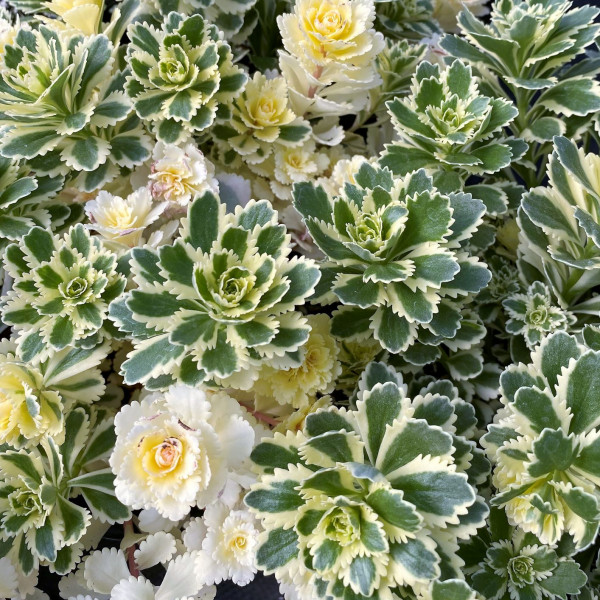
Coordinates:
column 217, row 303
column 446, row 123
column 396, row 261
column 365, row 501
column 182, row 76
column 61, row 292
column 39, row 486
column 61, row 100
column 535, row 314
column 545, row 442
column 559, row 238
column 525, row 53
column 517, row 566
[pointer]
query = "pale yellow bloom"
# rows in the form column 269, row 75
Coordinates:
column 316, row 374
column 259, row 115
column 294, row 165
column 28, row 410
column 329, row 63
column 446, row 11
column 180, row 174
column 174, row 451
column 123, row 220
column 331, row 31
column 82, row 15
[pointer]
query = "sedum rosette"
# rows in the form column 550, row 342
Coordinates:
column 447, row 120
column 535, row 314
column 395, row 257
column 61, row 292
column 545, row 442
column 349, row 502
column 62, row 105
column 525, row 53
column 219, row 302
column 560, row 228
column 41, row 515
column 181, row 75
column 34, row 398
column 175, row 450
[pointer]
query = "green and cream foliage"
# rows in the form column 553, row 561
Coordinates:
column 560, row 228
column 545, row 441
column 62, row 106
column 218, row 303
column 36, row 397
column 517, row 566
column 42, row 523
column 25, row 201
column 447, row 124
column 525, row 54
column 397, row 261
column 535, row 314
column 363, row 502
column 182, row 76
column 61, row 292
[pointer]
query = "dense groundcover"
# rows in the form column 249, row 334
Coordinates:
column 299, row 299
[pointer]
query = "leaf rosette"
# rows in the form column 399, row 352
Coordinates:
column 62, row 105
column 181, row 76
column 217, row 303
column 396, row 261
column 351, row 501
column 61, row 291
column 545, row 442
column 447, row 120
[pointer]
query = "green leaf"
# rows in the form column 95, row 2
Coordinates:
column 415, row 558
column 275, row 497
column 279, row 549
column 538, row 407
column 436, row 492
column 148, row 357
column 554, row 452
column 583, row 391
column 202, row 228
column 377, row 410
column 392, row 508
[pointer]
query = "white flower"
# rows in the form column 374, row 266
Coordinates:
column 174, row 451
column 343, row 172
column 180, row 174
column 123, row 220
column 331, row 47
column 229, row 546
column 293, row 165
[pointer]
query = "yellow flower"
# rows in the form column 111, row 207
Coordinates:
column 261, row 116
column 331, row 31
column 123, row 220
column 82, row 15
column 316, row 374
column 28, row 410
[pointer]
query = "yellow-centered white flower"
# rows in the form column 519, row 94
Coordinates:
column 123, row 220
column 175, row 450
column 179, row 175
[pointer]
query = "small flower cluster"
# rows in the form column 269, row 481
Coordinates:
column 303, row 289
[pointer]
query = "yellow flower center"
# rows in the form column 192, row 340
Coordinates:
column 120, row 216
column 160, row 456
column 238, row 542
